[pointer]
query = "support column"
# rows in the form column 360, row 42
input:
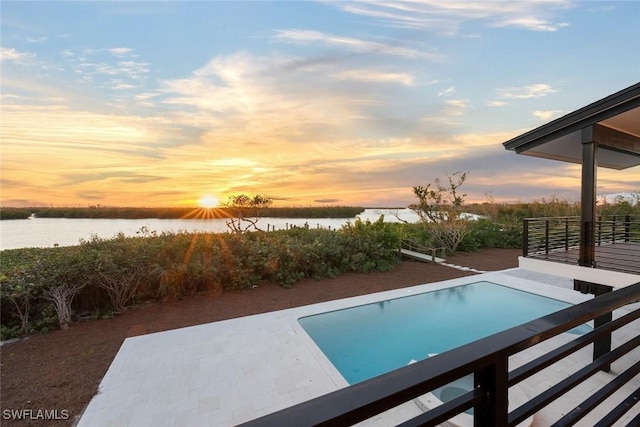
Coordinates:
column 494, row 381
column 602, row 345
column 588, row 199
column 587, row 235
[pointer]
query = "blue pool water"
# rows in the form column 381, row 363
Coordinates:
column 369, row 340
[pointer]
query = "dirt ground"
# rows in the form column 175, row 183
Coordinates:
column 61, row 370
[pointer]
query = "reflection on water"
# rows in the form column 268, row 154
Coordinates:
column 48, row 232
column 381, row 304
column 458, row 292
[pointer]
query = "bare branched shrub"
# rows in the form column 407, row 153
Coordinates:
column 247, row 211
column 123, row 286
column 449, row 234
column 62, row 296
column 61, row 276
column 440, row 208
column 22, row 303
column 121, row 266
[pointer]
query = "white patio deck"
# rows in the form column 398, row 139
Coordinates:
column 225, row 373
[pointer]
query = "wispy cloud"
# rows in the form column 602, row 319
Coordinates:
column 327, row 200
column 37, row 39
column 456, row 107
column 497, row 104
column 80, row 152
column 531, row 91
column 449, row 16
column 119, row 85
column 532, row 23
column 115, row 68
column 394, row 14
column 232, row 91
column 548, row 115
column 59, row 128
column 352, row 44
column 131, row 69
column 12, row 55
column 448, row 91
column 374, row 76
column 245, row 110
column 120, row 51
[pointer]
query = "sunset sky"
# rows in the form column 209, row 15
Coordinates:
column 344, row 103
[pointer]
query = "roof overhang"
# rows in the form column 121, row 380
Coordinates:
column 615, row 127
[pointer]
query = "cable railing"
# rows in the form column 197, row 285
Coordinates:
column 487, row 360
column 617, row 241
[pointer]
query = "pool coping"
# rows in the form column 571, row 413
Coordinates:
column 232, row 371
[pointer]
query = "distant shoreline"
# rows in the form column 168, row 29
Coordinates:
column 182, row 213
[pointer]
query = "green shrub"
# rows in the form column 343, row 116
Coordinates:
column 173, row 271
column 45, row 288
column 484, row 233
column 371, row 246
column 62, row 275
column 20, row 298
column 50, row 280
column 302, row 252
column 121, row 270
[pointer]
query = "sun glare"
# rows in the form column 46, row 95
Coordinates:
column 208, row 201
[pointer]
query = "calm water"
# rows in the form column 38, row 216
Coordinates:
column 370, row 340
column 47, row 232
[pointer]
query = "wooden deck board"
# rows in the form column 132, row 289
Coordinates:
column 623, row 256
column 420, row 256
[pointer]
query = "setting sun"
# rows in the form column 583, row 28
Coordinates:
column 208, row 201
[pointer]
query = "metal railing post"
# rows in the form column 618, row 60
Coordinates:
column 613, row 229
column 525, row 238
column 627, row 228
column 546, row 236
column 602, row 346
column 494, row 381
column 566, row 234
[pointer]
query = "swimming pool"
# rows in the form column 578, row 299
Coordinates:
column 372, row 339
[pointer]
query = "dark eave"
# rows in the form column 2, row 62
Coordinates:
column 616, row 130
